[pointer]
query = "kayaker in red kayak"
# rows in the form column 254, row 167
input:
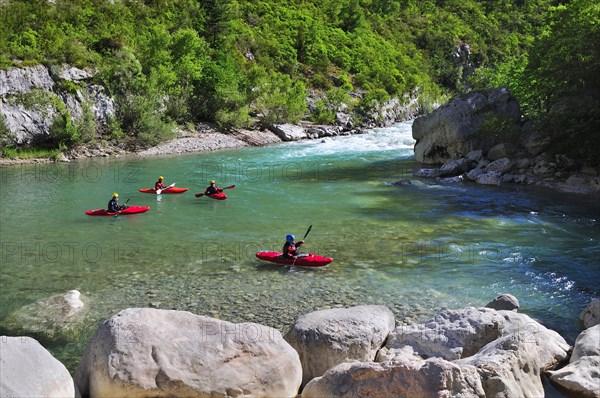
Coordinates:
column 159, row 184
column 212, row 189
column 113, row 204
column 291, row 249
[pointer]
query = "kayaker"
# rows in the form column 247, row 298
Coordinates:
column 159, row 184
column 291, row 248
column 113, row 204
column 212, row 189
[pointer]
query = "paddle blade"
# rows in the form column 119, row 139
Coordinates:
column 229, row 187
column 199, row 195
column 307, row 231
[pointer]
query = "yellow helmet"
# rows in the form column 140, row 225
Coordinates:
column 161, row 177
column 115, row 195
column 212, row 181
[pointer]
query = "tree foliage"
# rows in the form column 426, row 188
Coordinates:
column 185, row 61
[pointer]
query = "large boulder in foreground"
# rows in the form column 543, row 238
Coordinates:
column 141, row 352
column 451, row 131
column 508, row 367
column 327, row 338
column 434, row 377
column 28, row 370
column 451, row 334
column 551, row 347
column 582, row 375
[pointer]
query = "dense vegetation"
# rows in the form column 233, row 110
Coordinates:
column 226, row 61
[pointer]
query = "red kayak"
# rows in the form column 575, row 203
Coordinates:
column 304, row 260
column 218, row 196
column 129, row 210
column 166, row 190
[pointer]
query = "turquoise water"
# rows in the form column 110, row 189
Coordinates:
column 416, row 248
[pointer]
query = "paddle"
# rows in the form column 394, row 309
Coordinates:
column 119, row 212
column 229, row 187
column 305, row 235
column 164, row 189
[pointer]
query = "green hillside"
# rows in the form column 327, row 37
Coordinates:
column 225, row 61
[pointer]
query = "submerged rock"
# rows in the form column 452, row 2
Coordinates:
column 57, row 318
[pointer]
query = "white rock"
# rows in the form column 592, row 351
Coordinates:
column 28, row 370
column 581, row 378
column 591, row 315
column 551, row 346
column 327, row 338
column 452, row 334
column 587, row 343
column 431, row 378
column 143, row 352
column 509, row 367
column 289, row 132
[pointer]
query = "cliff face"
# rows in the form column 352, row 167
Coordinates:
column 32, row 98
column 480, row 138
column 451, row 131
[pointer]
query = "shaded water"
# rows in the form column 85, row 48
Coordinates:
column 416, row 248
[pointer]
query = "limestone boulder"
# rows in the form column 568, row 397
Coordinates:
column 508, row 367
column 451, row 334
column 489, row 178
column 141, row 352
column 591, row 315
column 289, row 132
column 587, row 344
column 327, row 338
column 431, row 378
column 550, row 346
column 501, row 166
column 582, row 375
column 454, row 167
column 27, row 369
column 581, row 378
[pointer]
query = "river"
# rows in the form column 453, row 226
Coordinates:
column 415, row 248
